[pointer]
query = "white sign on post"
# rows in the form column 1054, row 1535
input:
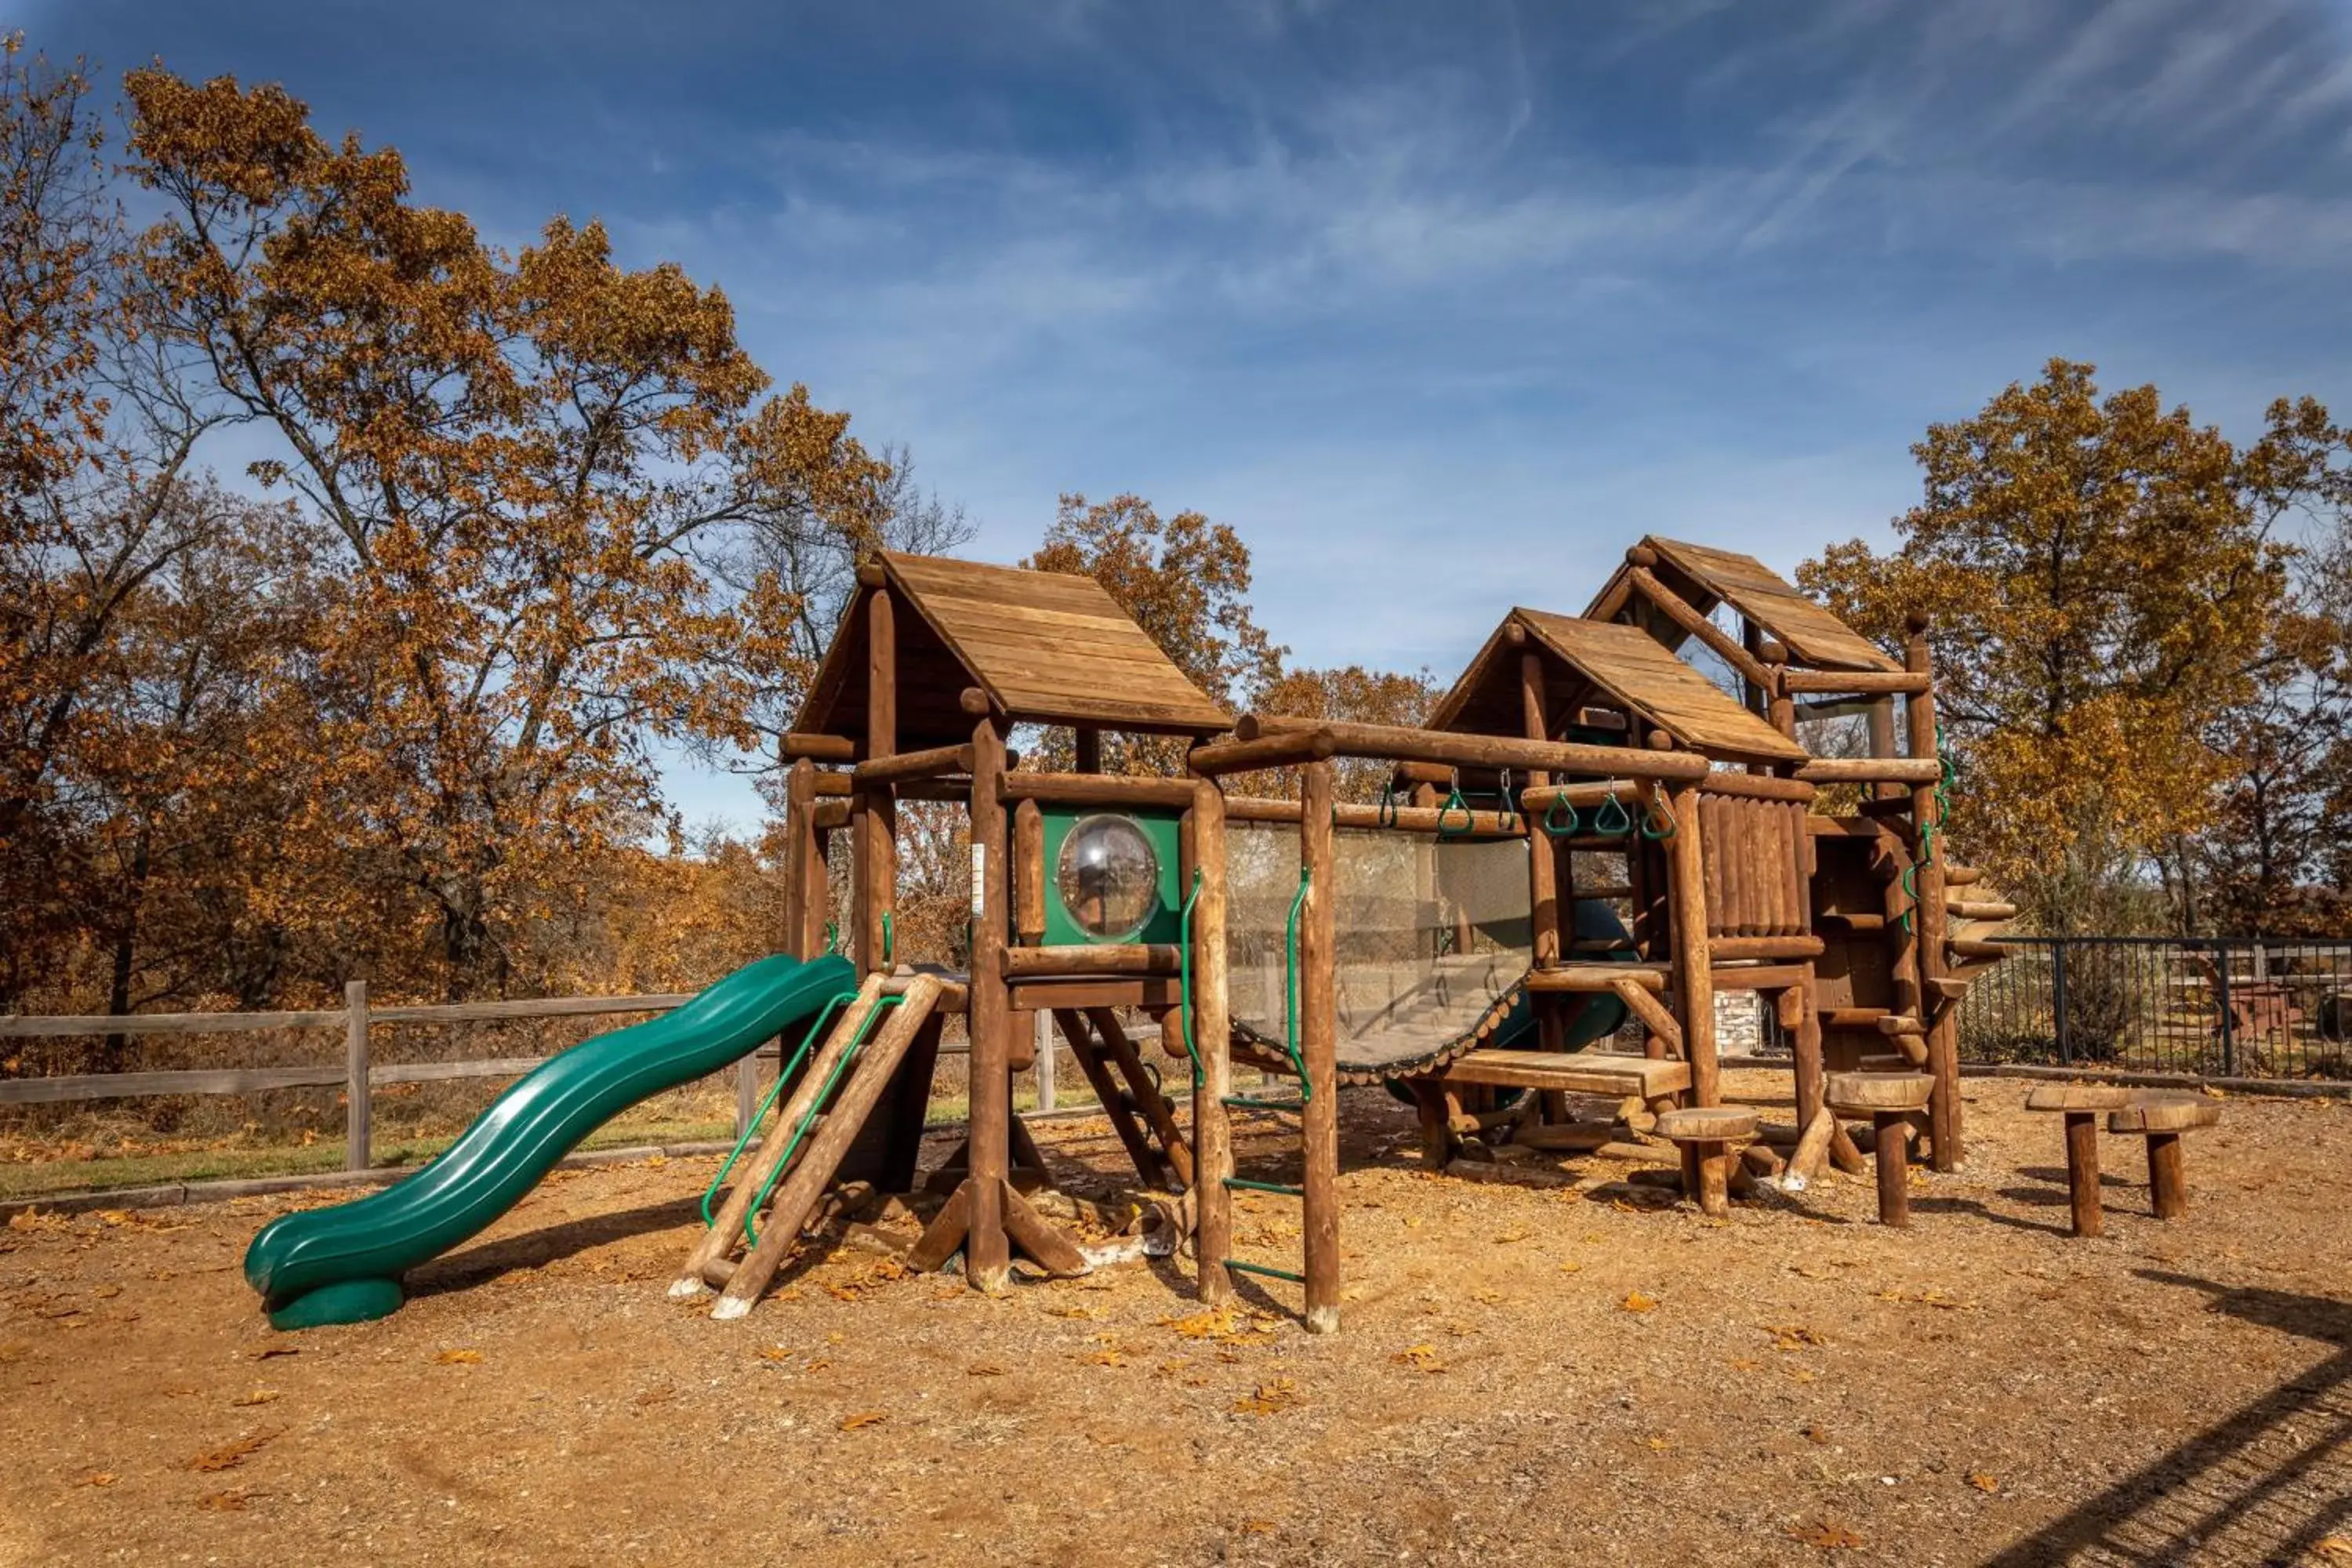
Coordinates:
column 979, row 879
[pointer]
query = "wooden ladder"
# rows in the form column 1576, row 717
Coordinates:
column 803, row 1145
column 1138, row 1109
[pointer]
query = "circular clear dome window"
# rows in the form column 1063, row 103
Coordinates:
column 1107, row 876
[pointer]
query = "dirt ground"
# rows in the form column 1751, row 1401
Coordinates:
column 1526, row 1375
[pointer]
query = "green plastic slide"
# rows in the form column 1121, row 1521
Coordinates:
column 342, row 1265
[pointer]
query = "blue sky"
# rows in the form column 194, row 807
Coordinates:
column 1439, row 305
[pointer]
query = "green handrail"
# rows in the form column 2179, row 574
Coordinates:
column 1290, row 947
column 1184, row 964
column 783, row 1076
column 808, row 1118
column 885, row 938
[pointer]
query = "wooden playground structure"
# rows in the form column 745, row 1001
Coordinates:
column 1659, row 840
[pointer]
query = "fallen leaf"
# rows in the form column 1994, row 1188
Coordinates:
column 1105, row 1357
column 1420, row 1358
column 230, row 1455
column 97, row 1478
column 775, row 1352
column 864, row 1418
column 985, row 1369
column 1983, row 1482
column 1813, row 1435
column 266, row 1352
column 1829, row 1537
column 1508, row 1237
column 456, row 1358
column 112, row 1217
column 1269, row 1398
column 1487, row 1297
column 224, row 1503
column 1745, row 1364
column 107, row 1292
column 2333, row 1546
column 1571, row 1267
column 258, row 1396
column 1635, row 1301
column 1792, row 1336
column 1257, row 1527
column 1657, row 1444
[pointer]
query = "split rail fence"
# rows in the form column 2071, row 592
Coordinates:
column 357, row 1074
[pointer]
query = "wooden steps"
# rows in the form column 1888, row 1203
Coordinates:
column 1576, row 1072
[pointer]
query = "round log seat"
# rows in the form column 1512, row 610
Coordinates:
column 2081, row 1103
column 1709, row 1138
column 2161, row 1120
column 1890, row 1100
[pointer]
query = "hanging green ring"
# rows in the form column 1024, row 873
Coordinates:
column 1554, row 823
column 1605, row 827
column 1658, row 820
column 1455, row 803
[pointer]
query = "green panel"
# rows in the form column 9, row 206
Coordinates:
column 1162, row 925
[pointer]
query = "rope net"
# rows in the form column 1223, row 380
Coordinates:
column 1433, row 939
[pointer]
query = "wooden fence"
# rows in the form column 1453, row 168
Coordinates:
column 357, row 1074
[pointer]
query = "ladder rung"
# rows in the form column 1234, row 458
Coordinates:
column 1243, row 1184
column 1270, row 1272
column 1244, row 1103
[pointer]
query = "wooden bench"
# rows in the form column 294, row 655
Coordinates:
column 2081, row 1103
column 1574, row 1072
column 1890, row 1100
column 2162, row 1120
column 1709, row 1137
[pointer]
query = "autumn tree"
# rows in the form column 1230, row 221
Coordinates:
column 2104, row 582
column 534, row 466
column 1186, row 581
column 95, row 440
column 1355, row 695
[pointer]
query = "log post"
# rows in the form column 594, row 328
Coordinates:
column 1208, row 1011
column 359, row 1111
column 1028, row 871
column 2083, row 1170
column 2168, row 1179
column 1318, row 1021
column 1542, row 874
column 1694, row 976
column 1892, row 1129
column 987, row 1254
column 1942, row 1019
column 877, row 819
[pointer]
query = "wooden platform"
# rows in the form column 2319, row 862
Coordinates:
column 1576, row 1072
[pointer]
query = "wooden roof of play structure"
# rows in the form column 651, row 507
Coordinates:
column 1599, row 662
column 1046, row 647
column 1704, row 578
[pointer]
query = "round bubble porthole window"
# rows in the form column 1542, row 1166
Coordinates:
column 1107, row 876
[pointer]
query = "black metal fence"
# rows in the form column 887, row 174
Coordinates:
column 2225, row 1007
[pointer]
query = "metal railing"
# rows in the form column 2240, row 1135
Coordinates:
column 2217, row 1006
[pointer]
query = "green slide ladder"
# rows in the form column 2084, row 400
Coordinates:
column 1290, row 1048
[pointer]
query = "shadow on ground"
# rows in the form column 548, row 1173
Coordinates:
column 2268, row 1483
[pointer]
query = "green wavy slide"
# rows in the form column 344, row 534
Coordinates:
column 343, row 1265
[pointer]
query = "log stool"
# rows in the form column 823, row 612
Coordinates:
column 2081, row 1103
column 2162, row 1121
column 1709, row 1137
column 1890, row 1100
